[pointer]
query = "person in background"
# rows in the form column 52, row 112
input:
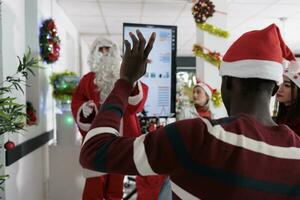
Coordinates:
column 288, row 96
column 204, row 98
column 243, row 156
column 93, row 89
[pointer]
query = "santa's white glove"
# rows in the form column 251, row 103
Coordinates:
column 88, row 108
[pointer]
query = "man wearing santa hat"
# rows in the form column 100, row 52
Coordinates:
column 243, row 156
column 93, row 89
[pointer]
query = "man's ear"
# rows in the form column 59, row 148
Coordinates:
column 275, row 89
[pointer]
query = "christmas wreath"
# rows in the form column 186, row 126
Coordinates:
column 49, row 41
column 202, row 10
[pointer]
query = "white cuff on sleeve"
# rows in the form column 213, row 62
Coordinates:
column 82, row 126
column 134, row 100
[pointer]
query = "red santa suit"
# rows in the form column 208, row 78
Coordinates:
column 109, row 186
column 92, row 90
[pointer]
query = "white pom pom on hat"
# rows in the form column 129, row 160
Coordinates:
column 293, row 72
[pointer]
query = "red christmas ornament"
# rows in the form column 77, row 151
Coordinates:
column 9, row 145
column 53, row 33
column 31, row 118
column 50, row 41
column 51, row 25
column 56, row 47
column 52, row 57
column 31, row 114
column 56, row 54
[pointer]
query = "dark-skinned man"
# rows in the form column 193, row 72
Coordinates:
column 244, row 156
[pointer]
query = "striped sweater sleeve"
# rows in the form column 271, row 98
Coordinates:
column 104, row 150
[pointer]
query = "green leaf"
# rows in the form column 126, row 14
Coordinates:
column 4, row 115
column 8, row 99
column 28, row 54
column 20, row 67
column 31, row 71
column 12, row 114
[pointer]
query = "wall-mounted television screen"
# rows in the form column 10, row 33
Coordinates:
column 161, row 72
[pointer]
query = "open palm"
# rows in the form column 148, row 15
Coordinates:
column 134, row 62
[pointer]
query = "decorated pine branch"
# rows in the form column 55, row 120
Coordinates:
column 212, row 57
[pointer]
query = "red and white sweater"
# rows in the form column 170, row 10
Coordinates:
column 230, row 158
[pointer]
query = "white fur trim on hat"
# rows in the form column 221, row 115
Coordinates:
column 205, row 88
column 134, row 100
column 263, row 69
column 293, row 73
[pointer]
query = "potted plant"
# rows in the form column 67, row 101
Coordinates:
column 12, row 113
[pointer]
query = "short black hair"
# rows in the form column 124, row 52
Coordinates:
column 252, row 85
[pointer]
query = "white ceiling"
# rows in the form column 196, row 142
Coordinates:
column 105, row 18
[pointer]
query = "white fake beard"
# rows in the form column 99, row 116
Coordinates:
column 107, row 71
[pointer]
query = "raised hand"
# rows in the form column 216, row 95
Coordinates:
column 134, row 63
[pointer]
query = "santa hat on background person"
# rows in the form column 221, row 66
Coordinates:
column 213, row 94
column 293, row 72
column 257, row 54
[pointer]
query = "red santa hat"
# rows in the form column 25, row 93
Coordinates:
column 207, row 88
column 257, row 54
column 213, row 94
column 293, row 73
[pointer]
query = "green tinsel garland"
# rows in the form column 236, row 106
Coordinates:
column 213, row 30
column 217, row 98
column 211, row 57
column 64, row 85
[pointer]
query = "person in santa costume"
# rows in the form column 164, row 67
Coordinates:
column 288, row 96
column 93, row 89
